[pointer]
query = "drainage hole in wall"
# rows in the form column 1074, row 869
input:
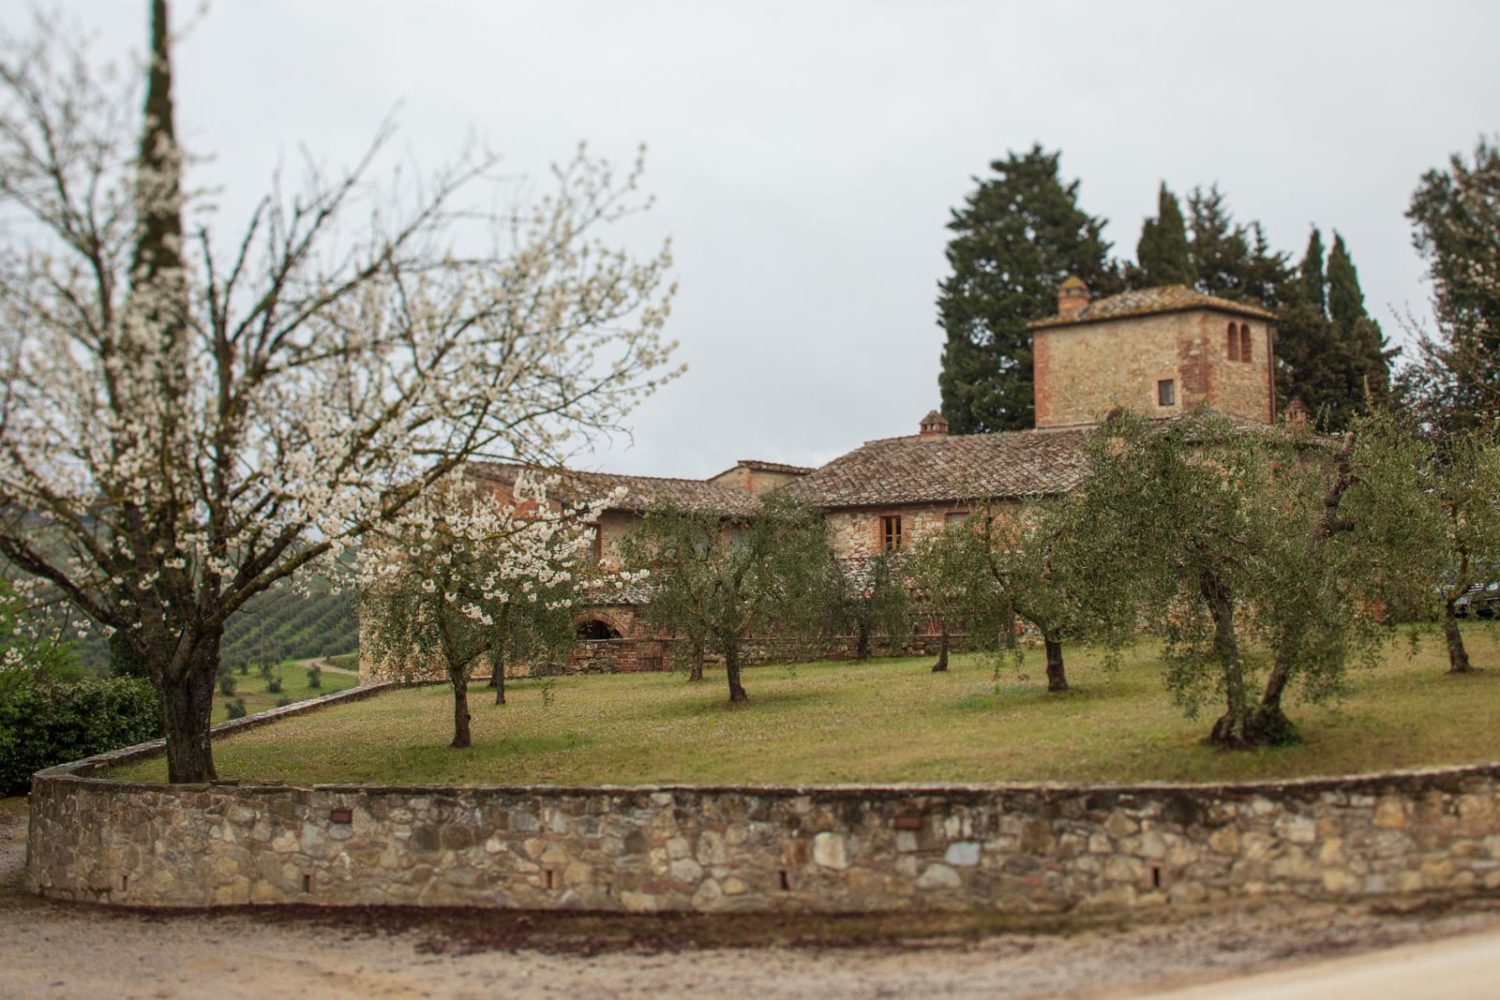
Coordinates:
column 551, row 879
column 124, row 882
column 1155, row 877
column 307, row 883
column 786, row 885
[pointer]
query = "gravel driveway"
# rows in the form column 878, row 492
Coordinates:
column 68, row 950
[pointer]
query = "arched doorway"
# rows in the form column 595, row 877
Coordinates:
column 596, row 628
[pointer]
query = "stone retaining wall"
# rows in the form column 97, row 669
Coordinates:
column 1022, row 848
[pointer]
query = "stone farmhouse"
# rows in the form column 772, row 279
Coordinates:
column 1159, row 351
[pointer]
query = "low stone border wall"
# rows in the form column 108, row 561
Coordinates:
column 1018, row 848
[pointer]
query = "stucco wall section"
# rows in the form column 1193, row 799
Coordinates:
column 1082, row 372
column 1019, row 849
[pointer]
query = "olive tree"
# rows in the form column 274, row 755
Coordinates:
column 870, row 596
column 944, row 574
column 727, row 581
column 1258, row 537
column 1463, row 513
column 201, row 413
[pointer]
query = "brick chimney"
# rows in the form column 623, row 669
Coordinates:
column 934, row 426
column 1072, row 297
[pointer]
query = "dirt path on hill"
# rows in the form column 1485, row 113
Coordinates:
column 325, row 666
column 66, row 950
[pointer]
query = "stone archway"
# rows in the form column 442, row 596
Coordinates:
column 594, row 625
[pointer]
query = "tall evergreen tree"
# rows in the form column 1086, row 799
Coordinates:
column 1455, row 215
column 1231, row 260
column 1310, row 274
column 1163, row 255
column 1017, row 236
column 1333, row 355
column 1357, row 333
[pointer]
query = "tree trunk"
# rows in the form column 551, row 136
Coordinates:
column 941, row 665
column 497, row 676
column 1057, row 675
column 1010, row 628
column 1268, row 724
column 1232, row 728
column 732, row 668
column 1458, row 656
column 187, row 704
column 461, row 736
column 695, row 668
column 862, row 641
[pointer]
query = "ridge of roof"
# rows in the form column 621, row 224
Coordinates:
column 643, row 491
column 1150, row 302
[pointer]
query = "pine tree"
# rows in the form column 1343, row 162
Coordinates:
column 1233, row 261
column 1163, row 255
column 1017, row 236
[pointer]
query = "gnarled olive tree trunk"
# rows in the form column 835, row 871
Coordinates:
column 1458, row 655
column 1057, row 674
column 942, row 661
column 737, row 693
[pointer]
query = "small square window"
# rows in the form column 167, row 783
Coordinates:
column 1166, row 392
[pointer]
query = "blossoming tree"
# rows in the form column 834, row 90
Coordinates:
column 465, row 575
column 192, row 416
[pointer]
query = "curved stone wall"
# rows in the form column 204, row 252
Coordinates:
column 1024, row 848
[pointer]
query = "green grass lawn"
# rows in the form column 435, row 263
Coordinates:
column 886, row 720
column 253, row 688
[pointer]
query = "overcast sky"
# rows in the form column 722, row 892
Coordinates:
column 805, row 156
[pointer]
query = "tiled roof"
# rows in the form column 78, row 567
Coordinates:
column 756, row 465
column 1149, row 301
column 642, row 492
column 908, row 470
column 759, row 466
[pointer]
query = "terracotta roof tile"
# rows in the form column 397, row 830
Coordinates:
column 909, row 470
column 1150, row 301
column 756, row 465
column 642, row 492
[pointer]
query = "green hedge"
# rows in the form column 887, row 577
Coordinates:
column 49, row 723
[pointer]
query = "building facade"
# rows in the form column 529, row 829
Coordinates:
column 1157, row 351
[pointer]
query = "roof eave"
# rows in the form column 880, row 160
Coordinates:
column 1057, row 322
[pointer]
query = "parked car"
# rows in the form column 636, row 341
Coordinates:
column 1480, row 601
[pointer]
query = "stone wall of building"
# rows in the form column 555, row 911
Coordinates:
column 1082, row 372
column 1021, row 849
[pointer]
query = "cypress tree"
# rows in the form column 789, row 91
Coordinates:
column 1163, row 254
column 1346, row 302
column 1016, row 237
column 1359, row 336
column 1333, row 355
column 1310, row 272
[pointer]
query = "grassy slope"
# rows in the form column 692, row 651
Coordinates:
column 293, row 685
column 887, row 720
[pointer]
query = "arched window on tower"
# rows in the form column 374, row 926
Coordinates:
column 1232, row 343
column 1245, row 354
